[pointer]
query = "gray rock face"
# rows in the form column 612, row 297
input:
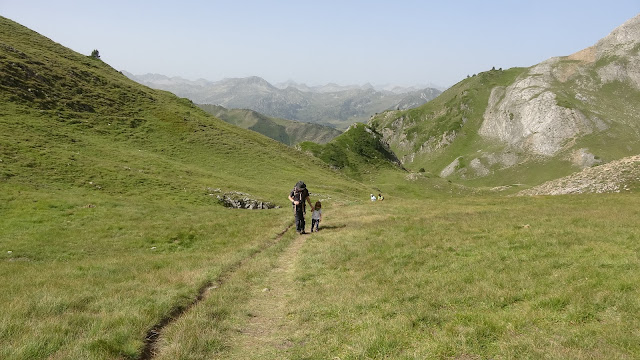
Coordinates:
column 584, row 159
column 479, row 168
column 526, row 114
column 450, row 169
column 623, row 42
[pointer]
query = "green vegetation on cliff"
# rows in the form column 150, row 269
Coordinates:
column 357, row 152
column 453, row 118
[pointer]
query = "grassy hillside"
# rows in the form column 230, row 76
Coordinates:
column 614, row 103
column 288, row 132
column 72, row 119
column 358, row 152
column 109, row 220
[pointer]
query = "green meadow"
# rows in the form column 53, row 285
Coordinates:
column 437, row 277
column 434, row 277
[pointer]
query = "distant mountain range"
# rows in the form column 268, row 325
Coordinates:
column 332, row 87
column 333, row 105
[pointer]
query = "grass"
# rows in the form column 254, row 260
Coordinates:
column 212, row 329
column 438, row 278
column 472, row 278
column 89, row 274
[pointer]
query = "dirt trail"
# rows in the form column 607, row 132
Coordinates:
column 266, row 334
column 153, row 335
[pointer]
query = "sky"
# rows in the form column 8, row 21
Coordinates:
column 401, row 42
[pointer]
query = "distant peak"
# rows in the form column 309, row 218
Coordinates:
column 622, row 39
column 256, row 80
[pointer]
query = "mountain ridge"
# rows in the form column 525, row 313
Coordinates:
column 332, row 105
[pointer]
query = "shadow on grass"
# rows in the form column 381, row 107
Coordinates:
column 332, row 227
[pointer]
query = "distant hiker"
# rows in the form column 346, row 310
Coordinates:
column 316, row 216
column 373, row 197
column 380, row 197
column 298, row 196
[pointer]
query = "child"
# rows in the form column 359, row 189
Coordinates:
column 316, row 216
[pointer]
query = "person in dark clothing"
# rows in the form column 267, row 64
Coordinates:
column 298, row 196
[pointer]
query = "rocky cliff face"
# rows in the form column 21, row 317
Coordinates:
column 528, row 114
column 621, row 49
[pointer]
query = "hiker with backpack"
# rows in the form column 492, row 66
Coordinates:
column 298, row 196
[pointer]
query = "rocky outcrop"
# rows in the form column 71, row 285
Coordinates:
column 583, row 158
column 526, row 115
column 622, row 50
column 240, row 200
column 394, row 133
column 451, row 168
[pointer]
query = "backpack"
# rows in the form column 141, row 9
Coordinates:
column 299, row 193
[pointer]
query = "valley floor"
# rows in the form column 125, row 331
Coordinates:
column 442, row 277
column 470, row 278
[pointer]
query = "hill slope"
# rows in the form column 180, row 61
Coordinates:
column 357, row 152
column 529, row 125
column 73, row 118
column 288, row 132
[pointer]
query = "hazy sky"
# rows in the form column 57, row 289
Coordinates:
column 316, row 42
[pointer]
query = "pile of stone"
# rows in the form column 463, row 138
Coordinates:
column 613, row 177
column 240, row 200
